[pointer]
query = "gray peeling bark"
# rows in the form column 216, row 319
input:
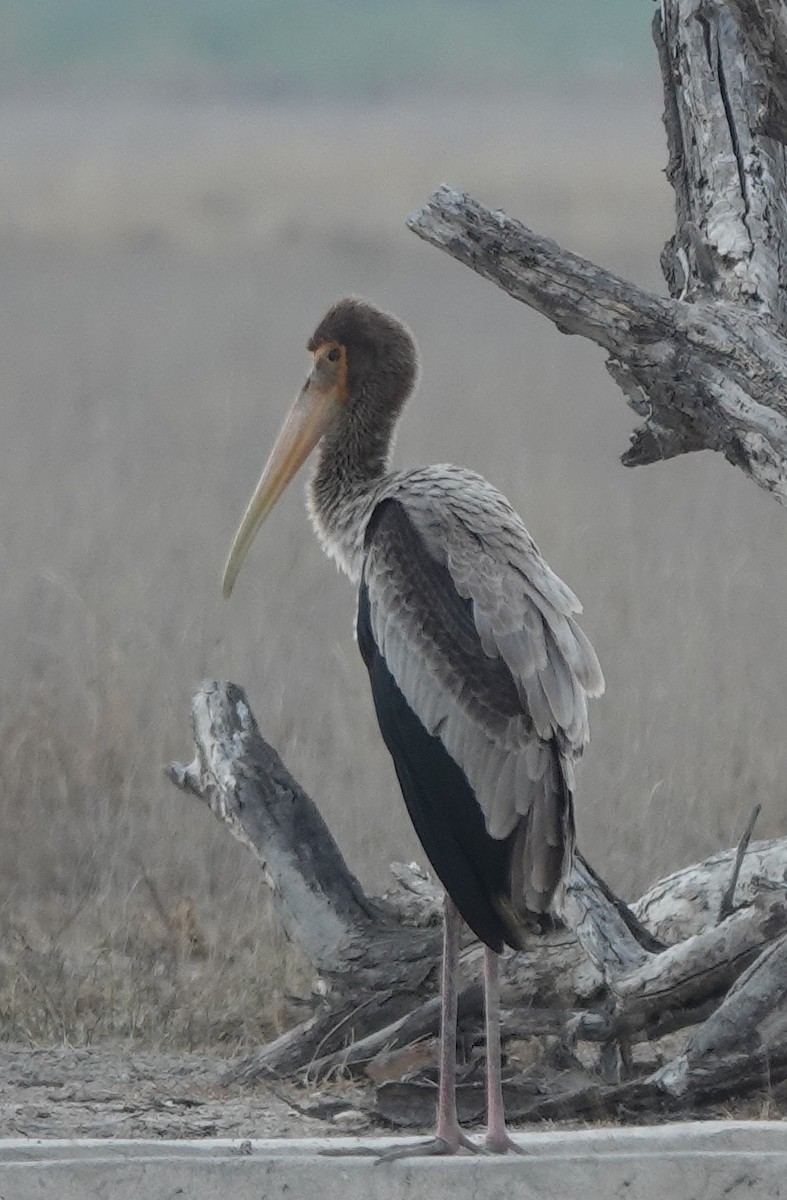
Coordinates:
column 607, row 979
column 764, row 25
column 705, row 368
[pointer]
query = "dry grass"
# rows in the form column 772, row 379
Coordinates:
column 162, row 269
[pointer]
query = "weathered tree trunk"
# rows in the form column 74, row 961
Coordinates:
column 706, row 368
column 604, row 980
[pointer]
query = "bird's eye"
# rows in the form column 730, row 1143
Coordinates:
column 334, row 354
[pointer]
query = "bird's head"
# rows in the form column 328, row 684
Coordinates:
column 375, row 351
column 364, row 366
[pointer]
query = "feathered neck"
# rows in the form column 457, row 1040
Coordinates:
column 352, row 472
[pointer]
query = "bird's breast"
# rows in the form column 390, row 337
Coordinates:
column 340, row 522
column 341, row 508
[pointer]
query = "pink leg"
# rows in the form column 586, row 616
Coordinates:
column 448, row 1130
column 449, row 1137
column 497, row 1138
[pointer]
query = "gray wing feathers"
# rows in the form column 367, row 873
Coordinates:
column 522, row 611
column 515, row 724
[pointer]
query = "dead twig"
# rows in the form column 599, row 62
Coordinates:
column 726, row 906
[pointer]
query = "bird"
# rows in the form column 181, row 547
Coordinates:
column 479, row 672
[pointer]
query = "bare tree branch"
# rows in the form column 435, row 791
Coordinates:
column 245, row 784
column 705, row 374
column 706, row 369
column 575, row 294
column 728, row 899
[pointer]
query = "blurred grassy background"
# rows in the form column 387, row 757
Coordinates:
column 304, row 47
column 165, row 254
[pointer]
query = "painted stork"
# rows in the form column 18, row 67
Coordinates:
column 479, row 673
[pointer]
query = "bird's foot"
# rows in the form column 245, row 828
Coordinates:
column 501, row 1142
column 452, row 1142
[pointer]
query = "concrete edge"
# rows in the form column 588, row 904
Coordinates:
column 693, row 1139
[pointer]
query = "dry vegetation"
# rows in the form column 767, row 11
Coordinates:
column 162, row 268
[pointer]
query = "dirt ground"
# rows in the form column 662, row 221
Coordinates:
column 119, row 1092
column 116, row 1091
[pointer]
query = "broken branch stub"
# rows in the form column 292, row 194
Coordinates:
column 245, row 784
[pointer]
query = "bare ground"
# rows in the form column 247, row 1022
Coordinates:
column 116, row 1091
column 112, row 1091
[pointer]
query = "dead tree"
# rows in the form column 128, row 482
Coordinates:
column 609, row 980
column 705, row 368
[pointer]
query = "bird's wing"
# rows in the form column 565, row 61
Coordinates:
column 523, row 612
column 479, row 636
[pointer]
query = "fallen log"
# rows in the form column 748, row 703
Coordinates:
column 690, row 900
column 604, row 979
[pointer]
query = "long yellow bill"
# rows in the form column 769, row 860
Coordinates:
column 306, row 422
